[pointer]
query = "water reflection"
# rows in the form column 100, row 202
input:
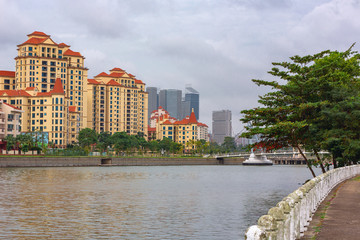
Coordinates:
column 173, row 202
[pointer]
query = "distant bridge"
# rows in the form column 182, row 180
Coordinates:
column 275, row 157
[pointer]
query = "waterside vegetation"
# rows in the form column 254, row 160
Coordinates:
column 314, row 105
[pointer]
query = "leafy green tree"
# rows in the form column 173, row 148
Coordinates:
column 153, row 145
column 229, row 144
column 299, row 111
column 87, row 137
column 104, row 141
column 10, row 143
column 24, row 141
column 121, row 142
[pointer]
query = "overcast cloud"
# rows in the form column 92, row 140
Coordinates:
column 218, row 46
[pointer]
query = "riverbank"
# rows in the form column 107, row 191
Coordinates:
column 41, row 161
column 338, row 215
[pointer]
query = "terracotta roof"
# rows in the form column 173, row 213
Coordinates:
column 37, row 33
column 93, row 81
column 202, row 124
column 131, row 75
column 11, row 106
column 30, row 89
column 138, row 81
column 7, row 74
column 63, row 45
column 117, row 75
column 192, row 118
column 14, row 93
column 167, row 122
column 113, row 82
column 103, row 74
column 58, row 88
column 69, row 52
column 117, row 69
column 150, row 129
column 34, row 40
column 72, row 108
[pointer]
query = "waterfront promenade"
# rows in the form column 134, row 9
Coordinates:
column 338, row 216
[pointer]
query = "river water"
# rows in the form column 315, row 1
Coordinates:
column 156, row 202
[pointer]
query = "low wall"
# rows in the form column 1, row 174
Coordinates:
column 93, row 161
column 291, row 216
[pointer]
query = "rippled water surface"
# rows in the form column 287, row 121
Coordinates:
column 160, row 202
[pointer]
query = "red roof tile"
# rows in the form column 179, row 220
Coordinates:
column 130, row 75
column 117, row 69
column 117, row 75
column 150, row 129
column 69, row 52
column 7, row 74
column 113, row 82
column 63, row 45
column 34, row 40
column 14, row 93
column 103, row 74
column 30, row 89
column 93, row 81
column 72, row 108
column 138, row 81
column 37, row 33
column 202, row 124
column 11, row 106
column 58, row 88
column 192, row 118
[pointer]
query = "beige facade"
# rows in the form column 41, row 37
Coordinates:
column 185, row 132
column 42, row 111
column 50, row 85
column 7, row 80
column 118, row 103
column 9, row 120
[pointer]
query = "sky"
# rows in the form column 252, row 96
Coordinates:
column 217, row 46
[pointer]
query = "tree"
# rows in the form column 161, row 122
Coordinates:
column 10, row 143
column 104, row 141
column 229, row 144
column 300, row 110
column 24, row 141
column 121, row 142
column 87, row 137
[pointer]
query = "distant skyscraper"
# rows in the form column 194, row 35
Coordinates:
column 153, row 99
column 170, row 100
column 221, row 125
column 192, row 96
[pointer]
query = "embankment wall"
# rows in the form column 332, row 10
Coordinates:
column 291, row 216
column 92, row 161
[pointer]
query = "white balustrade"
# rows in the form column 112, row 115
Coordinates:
column 291, row 216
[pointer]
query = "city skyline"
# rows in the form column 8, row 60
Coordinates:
column 170, row 44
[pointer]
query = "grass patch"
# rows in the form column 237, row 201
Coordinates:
column 356, row 179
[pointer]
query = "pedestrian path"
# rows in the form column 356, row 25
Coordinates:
column 338, row 217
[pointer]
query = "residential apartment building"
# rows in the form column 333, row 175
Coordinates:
column 185, row 131
column 118, row 103
column 221, row 125
column 7, row 80
column 9, row 120
column 50, row 85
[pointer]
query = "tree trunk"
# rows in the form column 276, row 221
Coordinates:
column 334, row 162
column 306, row 160
column 320, row 161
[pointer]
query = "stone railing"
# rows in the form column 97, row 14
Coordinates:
column 291, row 216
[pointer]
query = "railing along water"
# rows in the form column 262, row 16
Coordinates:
column 291, row 216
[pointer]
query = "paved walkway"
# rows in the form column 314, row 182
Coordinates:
column 338, row 217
